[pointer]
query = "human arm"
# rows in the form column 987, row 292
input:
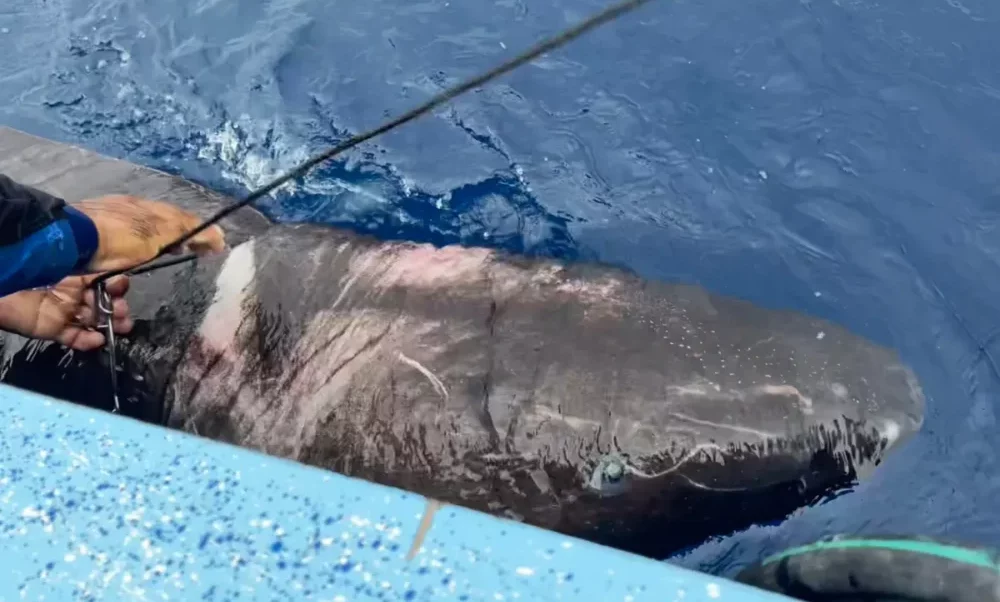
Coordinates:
column 43, row 239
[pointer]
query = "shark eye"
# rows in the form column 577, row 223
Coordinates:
column 610, row 476
column 614, row 471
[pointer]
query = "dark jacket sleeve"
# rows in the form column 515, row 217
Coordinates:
column 42, row 238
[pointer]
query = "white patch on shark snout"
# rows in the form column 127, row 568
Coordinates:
column 224, row 315
column 891, row 431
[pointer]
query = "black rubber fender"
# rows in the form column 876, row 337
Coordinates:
column 876, row 569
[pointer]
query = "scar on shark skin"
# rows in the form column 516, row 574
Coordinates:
column 435, row 381
column 425, row 526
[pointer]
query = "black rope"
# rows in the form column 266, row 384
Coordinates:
column 606, row 15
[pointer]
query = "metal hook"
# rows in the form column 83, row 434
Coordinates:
column 105, row 309
column 106, row 316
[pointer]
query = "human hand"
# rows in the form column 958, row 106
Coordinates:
column 66, row 312
column 132, row 230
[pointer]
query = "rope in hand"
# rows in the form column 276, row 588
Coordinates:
column 602, row 17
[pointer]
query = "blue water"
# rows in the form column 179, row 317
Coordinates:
column 837, row 157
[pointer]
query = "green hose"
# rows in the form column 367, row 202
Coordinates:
column 870, row 569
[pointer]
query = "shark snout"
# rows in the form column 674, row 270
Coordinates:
column 897, row 423
column 887, row 408
column 901, row 413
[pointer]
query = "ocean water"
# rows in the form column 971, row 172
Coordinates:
column 839, row 157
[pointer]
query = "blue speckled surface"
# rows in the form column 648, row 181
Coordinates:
column 98, row 507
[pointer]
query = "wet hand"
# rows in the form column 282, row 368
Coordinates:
column 65, row 313
column 132, row 230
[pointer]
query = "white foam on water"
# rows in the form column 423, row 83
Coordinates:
column 247, row 161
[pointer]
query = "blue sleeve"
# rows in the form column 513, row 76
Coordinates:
column 42, row 239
